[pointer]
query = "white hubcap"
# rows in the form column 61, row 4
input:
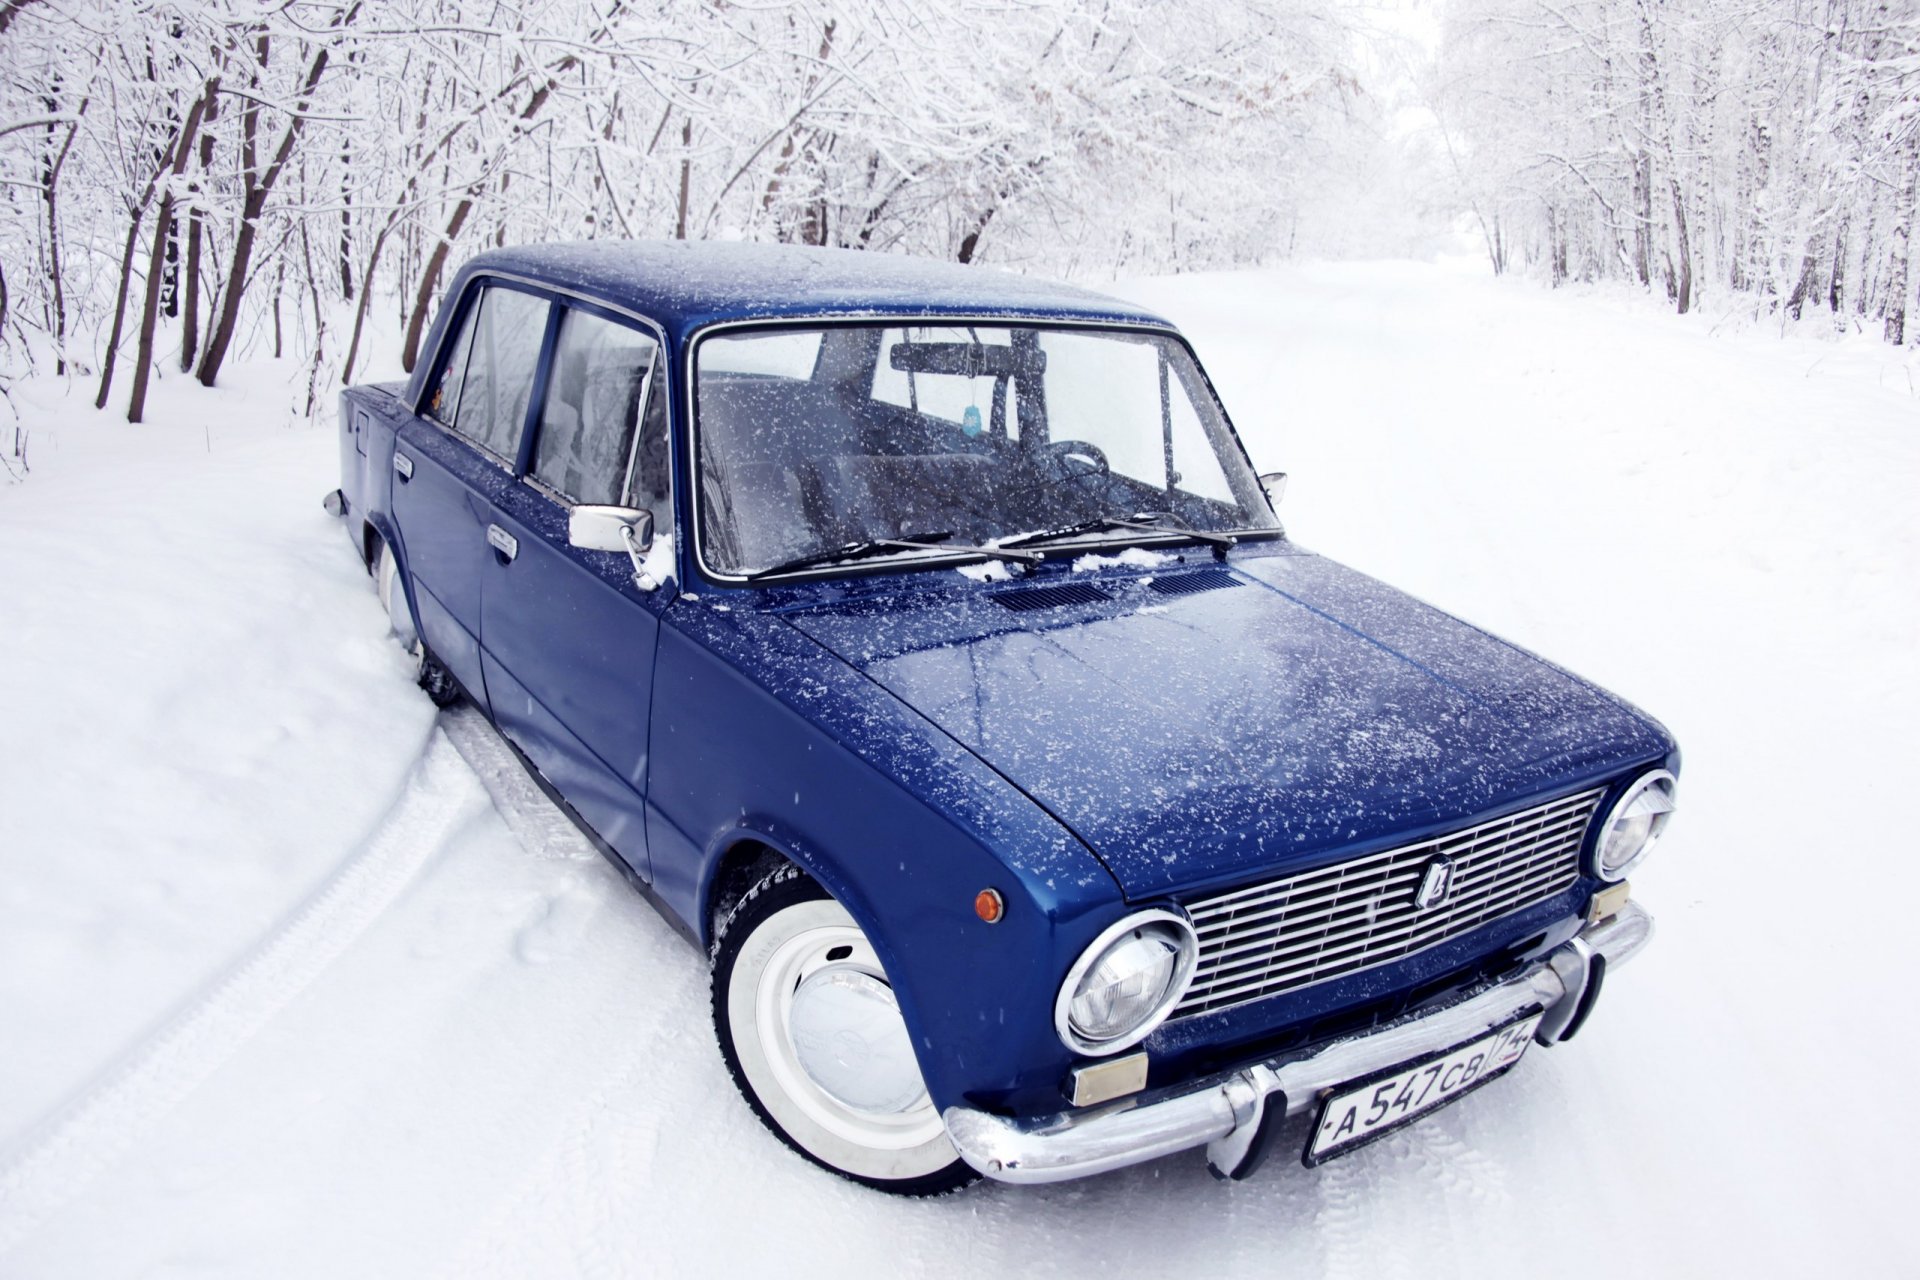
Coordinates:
column 819, row 1035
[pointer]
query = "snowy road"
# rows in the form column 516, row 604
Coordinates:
column 299, row 979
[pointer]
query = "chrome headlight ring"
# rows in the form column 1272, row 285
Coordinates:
column 1126, row 982
column 1631, row 827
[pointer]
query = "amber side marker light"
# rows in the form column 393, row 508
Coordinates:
column 988, row 906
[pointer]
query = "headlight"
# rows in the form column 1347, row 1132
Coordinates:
column 1126, row 982
column 1633, row 824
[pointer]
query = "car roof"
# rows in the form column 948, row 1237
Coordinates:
column 685, row 285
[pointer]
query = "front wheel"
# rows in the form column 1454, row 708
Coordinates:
column 813, row 1037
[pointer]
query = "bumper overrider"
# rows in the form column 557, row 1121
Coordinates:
column 1238, row 1115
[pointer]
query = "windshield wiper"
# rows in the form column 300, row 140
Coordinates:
column 1142, row 521
column 881, row 546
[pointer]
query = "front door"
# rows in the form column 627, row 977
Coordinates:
column 567, row 635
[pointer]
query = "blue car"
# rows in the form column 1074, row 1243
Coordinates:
column 922, row 643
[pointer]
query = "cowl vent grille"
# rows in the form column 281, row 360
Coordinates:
column 1186, row 584
column 1027, row 599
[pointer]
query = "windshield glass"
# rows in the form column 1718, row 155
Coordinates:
column 814, row 439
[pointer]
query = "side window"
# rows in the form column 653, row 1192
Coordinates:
column 585, row 449
column 502, row 346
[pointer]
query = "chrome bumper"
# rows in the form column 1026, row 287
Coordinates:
column 1230, row 1114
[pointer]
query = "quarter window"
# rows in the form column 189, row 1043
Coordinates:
column 447, row 394
column 585, row 449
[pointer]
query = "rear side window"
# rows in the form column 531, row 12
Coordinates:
column 490, row 378
column 595, row 395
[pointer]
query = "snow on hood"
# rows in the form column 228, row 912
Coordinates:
column 1205, row 736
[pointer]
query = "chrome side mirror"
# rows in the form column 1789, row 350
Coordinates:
column 1275, row 484
column 596, row 528
column 628, row 529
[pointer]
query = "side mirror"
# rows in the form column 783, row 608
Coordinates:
column 1275, row 483
column 596, row 528
column 628, row 529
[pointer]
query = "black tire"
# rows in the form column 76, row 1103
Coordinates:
column 428, row 671
column 432, row 676
column 788, row 914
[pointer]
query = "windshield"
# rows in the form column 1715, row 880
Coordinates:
column 816, row 439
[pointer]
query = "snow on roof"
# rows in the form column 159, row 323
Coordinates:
column 685, row 284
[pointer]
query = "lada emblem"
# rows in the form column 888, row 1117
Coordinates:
column 1435, row 883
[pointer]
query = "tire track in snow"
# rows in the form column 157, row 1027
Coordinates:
column 64, row 1152
column 581, row 1163
column 541, row 829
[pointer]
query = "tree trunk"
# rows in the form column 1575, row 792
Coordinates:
column 1899, row 242
column 1643, row 217
column 1804, row 285
column 366, row 301
column 437, row 260
column 162, row 240
column 429, row 280
column 686, row 178
column 190, row 324
column 346, row 222
column 1837, row 273
column 255, row 200
column 137, row 217
column 1682, row 242
column 9, row 10
column 190, row 304
column 49, row 191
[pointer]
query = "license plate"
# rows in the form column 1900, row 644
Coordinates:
column 1377, row 1107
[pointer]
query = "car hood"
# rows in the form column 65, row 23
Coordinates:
column 1203, row 723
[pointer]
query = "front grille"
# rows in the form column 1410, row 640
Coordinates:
column 1286, row 934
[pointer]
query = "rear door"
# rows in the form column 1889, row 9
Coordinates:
column 567, row 637
column 456, row 457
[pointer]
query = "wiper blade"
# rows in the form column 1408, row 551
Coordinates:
column 1143, row 521
column 882, row 546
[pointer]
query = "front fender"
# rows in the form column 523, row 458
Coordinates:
column 760, row 734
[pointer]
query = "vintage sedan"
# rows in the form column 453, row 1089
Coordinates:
column 922, row 643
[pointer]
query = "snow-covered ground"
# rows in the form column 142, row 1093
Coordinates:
column 297, row 979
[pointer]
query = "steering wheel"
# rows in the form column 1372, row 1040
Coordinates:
column 1073, row 460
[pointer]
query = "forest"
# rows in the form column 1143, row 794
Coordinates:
column 1748, row 147
column 185, row 179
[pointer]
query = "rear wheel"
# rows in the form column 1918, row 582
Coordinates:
column 428, row 671
column 813, row 1037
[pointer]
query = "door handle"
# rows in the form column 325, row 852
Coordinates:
column 505, row 544
column 403, row 467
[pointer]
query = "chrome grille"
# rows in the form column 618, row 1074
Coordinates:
column 1285, row 934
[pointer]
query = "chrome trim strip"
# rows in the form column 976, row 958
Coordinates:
column 1280, row 935
column 1220, row 1112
